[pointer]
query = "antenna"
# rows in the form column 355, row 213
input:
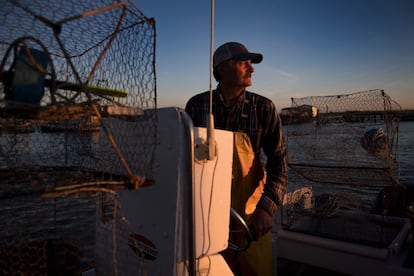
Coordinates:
column 210, row 127
column 206, row 150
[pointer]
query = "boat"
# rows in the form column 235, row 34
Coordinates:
column 150, row 195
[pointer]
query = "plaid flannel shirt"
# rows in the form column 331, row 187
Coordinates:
column 256, row 116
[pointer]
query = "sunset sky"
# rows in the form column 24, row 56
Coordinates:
column 310, row 47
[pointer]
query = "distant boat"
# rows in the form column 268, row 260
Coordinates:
column 299, row 114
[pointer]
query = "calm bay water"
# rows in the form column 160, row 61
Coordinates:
column 338, row 149
column 405, row 153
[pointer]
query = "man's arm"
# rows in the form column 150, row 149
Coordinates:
column 276, row 174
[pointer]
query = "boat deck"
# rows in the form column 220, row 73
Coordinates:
column 304, row 254
column 286, row 267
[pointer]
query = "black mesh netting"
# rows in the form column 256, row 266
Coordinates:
column 77, row 82
column 345, row 147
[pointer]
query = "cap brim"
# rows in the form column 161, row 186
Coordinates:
column 254, row 57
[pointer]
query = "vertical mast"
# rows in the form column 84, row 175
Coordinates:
column 210, row 127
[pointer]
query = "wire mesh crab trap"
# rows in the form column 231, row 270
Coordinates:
column 343, row 161
column 77, row 84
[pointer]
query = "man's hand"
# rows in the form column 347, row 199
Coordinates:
column 260, row 222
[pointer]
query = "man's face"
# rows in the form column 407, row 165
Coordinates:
column 237, row 73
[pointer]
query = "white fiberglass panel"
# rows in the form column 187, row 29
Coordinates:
column 212, row 194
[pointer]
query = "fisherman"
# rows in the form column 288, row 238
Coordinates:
column 258, row 187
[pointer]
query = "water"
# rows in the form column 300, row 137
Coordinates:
column 405, row 153
column 338, row 162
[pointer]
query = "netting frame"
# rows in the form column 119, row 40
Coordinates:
column 335, row 196
column 86, row 100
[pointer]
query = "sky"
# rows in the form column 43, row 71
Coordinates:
column 309, row 47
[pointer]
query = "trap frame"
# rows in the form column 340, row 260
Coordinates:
column 344, row 149
column 77, row 82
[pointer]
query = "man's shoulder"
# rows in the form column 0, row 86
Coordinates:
column 257, row 98
column 197, row 101
column 199, row 97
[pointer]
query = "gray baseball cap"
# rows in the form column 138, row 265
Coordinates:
column 234, row 51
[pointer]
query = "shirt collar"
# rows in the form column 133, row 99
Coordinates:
column 240, row 98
